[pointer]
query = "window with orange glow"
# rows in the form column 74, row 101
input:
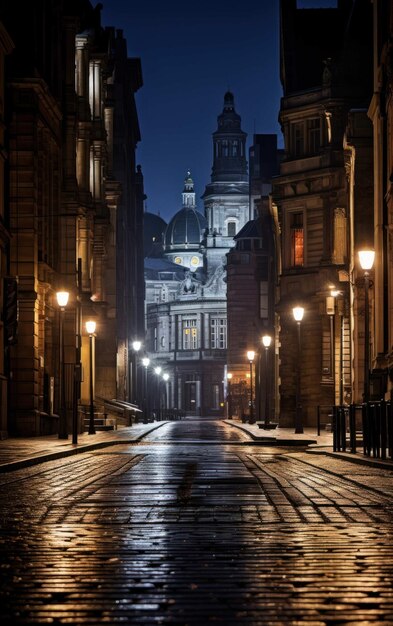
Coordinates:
column 297, row 240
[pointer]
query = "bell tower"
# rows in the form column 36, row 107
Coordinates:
column 226, row 197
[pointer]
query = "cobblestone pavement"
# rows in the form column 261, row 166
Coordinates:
column 193, row 526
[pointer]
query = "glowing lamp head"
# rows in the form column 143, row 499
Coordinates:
column 136, row 345
column 298, row 312
column 229, row 376
column 62, row 298
column 366, row 259
column 250, row 355
column 266, row 340
column 165, row 377
column 145, row 361
column 158, row 370
column 90, row 327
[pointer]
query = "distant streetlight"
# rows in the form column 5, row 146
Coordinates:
column 366, row 259
column 158, row 370
column 298, row 312
column 165, row 377
column 229, row 394
column 91, row 329
column 134, row 396
column 145, row 363
column 266, row 340
column 250, row 357
column 62, row 301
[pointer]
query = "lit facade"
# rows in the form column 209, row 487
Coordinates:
column 321, row 201
column 186, row 306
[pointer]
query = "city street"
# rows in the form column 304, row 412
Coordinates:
column 196, row 524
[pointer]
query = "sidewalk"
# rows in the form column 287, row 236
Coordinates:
column 16, row 453
column 315, row 444
column 19, row 452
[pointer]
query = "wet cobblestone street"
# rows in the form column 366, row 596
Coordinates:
column 194, row 526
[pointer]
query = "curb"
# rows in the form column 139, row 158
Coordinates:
column 359, row 460
column 263, row 440
column 78, row 449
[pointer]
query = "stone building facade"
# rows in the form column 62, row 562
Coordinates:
column 321, row 200
column 186, row 307
column 64, row 89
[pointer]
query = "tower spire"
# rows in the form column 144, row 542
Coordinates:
column 188, row 195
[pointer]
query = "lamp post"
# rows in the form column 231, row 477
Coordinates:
column 166, row 378
column 298, row 312
column 136, row 346
column 158, row 370
column 91, row 328
column 145, row 363
column 250, row 356
column 366, row 259
column 266, row 340
column 62, row 301
column 229, row 395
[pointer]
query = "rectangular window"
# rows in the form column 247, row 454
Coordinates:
column 263, row 299
column 314, row 136
column 340, row 236
column 216, row 396
column 190, row 334
column 231, row 229
column 218, row 333
column 297, row 240
column 298, row 139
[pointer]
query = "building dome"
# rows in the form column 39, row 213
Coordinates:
column 153, row 234
column 186, row 229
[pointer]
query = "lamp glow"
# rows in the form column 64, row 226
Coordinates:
column 266, row 340
column 90, row 327
column 366, row 259
column 298, row 312
column 158, row 370
column 229, row 376
column 145, row 361
column 62, row 298
column 136, row 345
column 165, row 377
column 250, row 355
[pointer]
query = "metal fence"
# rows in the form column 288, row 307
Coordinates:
column 369, row 425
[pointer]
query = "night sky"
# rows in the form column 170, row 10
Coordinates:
column 191, row 53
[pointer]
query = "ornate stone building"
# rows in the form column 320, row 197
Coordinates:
column 69, row 88
column 381, row 113
column 8, row 303
column 186, row 289
column 321, row 201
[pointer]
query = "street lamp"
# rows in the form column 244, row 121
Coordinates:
column 166, row 378
column 250, row 356
column 229, row 394
column 62, row 301
column 145, row 363
column 90, row 329
column 298, row 312
column 366, row 259
column 136, row 346
column 266, row 340
column 158, row 370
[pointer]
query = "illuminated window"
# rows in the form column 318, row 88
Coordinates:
column 190, row 334
column 340, row 236
column 218, row 333
column 297, row 240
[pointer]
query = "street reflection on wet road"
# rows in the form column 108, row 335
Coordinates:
column 193, row 526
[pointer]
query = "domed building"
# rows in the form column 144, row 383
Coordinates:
column 186, row 314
